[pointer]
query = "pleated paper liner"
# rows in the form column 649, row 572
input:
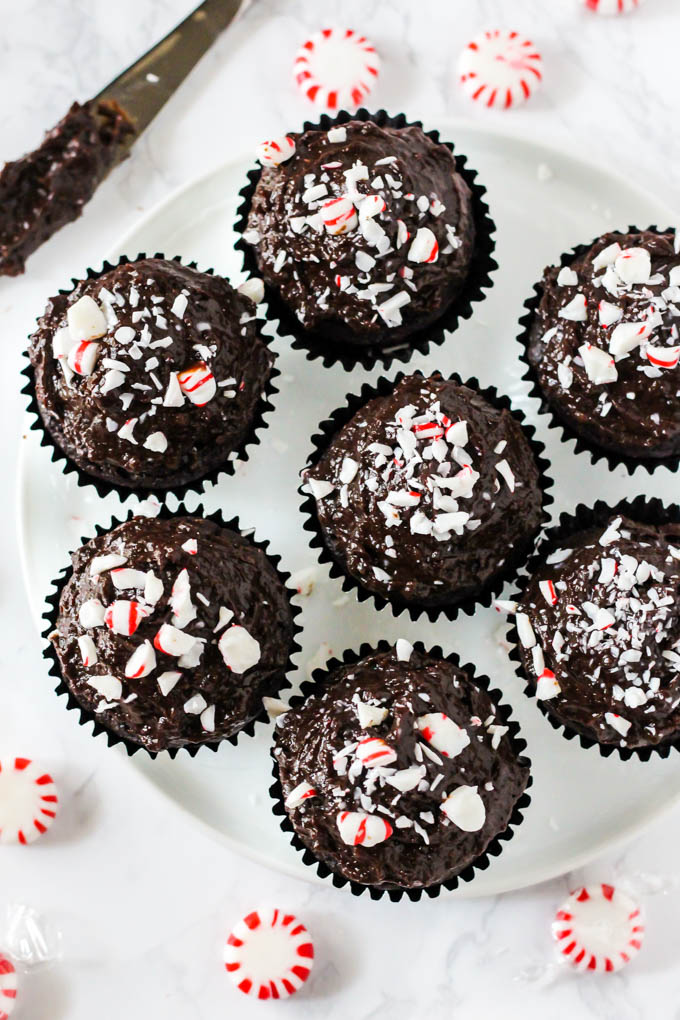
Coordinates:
column 322, row 678
column 348, row 354
column 568, row 432
column 87, row 716
column 648, row 511
column 102, row 486
column 329, row 428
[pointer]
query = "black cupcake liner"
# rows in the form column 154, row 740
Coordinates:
column 339, row 418
column 647, row 511
column 316, row 685
column 583, row 444
column 180, row 492
column 350, row 355
column 86, row 715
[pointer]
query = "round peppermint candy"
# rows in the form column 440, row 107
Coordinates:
column 612, row 6
column 336, row 68
column 269, row 954
column 500, row 68
column 8, row 986
column 28, row 801
column 599, row 929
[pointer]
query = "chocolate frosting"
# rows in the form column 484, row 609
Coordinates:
column 48, row 188
column 638, row 414
column 162, row 319
column 317, row 273
column 617, row 657
column 443, row 547
column 226, row 571
column 425, row 847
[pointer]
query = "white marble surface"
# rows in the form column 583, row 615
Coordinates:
column 144, row 902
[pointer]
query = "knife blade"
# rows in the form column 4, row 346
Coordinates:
column 144, row 88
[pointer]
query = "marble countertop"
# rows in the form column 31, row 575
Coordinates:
column 142, row 901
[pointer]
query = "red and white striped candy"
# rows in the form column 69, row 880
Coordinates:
column 303, row 791
column 372, row 205
column 612, row 6
column 547, row 686
column 198, row 384
column 269, row 954
column 599, row 929
column 339, row 215
column 83, row 357
column 424, row 247
column 373, row 752
column 599, row 365
column 336, row 68
column 173, row 641
column 28, row 801
column 663, row 357
column 356, row 828
column 141, row 662
column 443, row 733
column 500, row 68
column 8, row 986
column 274, row 152
column 124, row 617
column 548, row 592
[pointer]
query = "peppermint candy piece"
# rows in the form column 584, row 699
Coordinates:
column 82, row 358
column 124, row 617
column 274, row 152
column 356, row 828
column 239, row 649
column 547, row 686
column 336, row 68
column 424, row 247
column 599, row 929
column 269, row 954
column 141, row 662
column 172, row 641
column 8, row 986
column 663, row 357
column 28, row 802
column 500, row 68
column 609, row 7
column 443, row 733
column 198, row 384
column 372, row 752
column 86, row 321
column 303, row 791
column 339, row 216
column 465, row 808
column 634, row 265
column 599, row 365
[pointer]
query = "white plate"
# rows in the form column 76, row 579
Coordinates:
column 581, row 803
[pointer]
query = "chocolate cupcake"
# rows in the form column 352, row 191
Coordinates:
column 603, row 347
column 399, row 771
column 426, row 495
column 149, row 374
column 598, row 628
column 366, row 232
column 169, row 631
